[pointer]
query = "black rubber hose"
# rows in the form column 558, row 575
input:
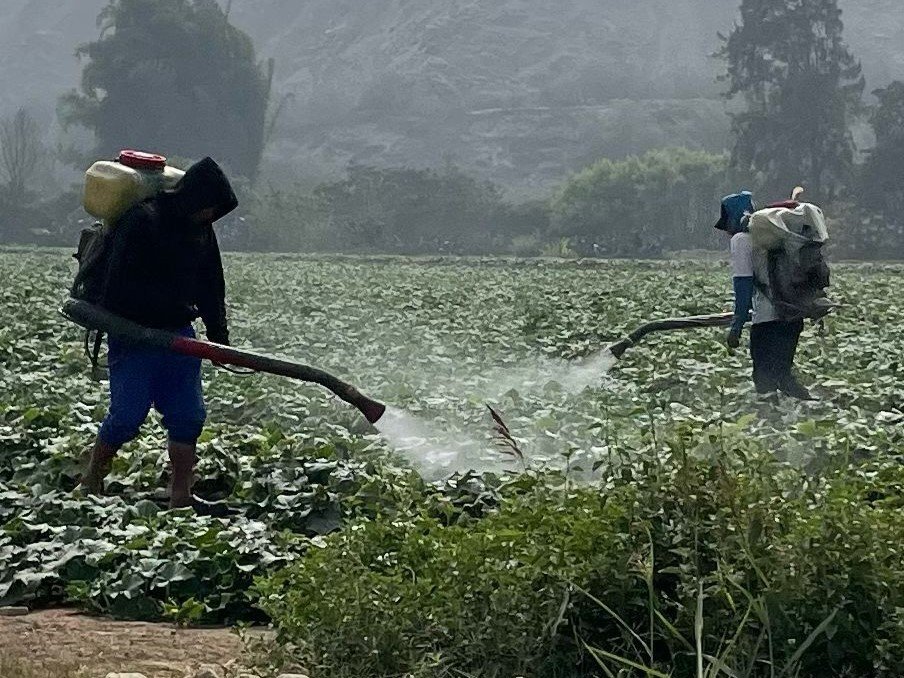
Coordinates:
column 670, row 324
column 95, row 318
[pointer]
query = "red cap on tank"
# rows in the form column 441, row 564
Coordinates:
column 142, row 161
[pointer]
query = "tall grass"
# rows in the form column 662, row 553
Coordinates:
column 727, row 659
column 674, row 565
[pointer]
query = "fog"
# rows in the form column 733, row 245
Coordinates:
column 520, row 94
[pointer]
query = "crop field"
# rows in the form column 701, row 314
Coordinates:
column 657, row 518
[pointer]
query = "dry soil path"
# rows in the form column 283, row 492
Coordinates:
column 64, row 638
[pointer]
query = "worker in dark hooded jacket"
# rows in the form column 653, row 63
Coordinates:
column 163, row 270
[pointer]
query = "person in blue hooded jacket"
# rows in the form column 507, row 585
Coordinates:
column 773, row 342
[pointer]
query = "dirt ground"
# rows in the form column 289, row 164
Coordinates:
column 66, row 639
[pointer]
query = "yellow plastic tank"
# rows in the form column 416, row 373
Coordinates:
column 111, row 188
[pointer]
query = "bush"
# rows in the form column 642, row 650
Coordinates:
column 527, row 245
column 799, row 572
column 413, row 596
column 643, row 205
column 396, row 210
column 858, row 233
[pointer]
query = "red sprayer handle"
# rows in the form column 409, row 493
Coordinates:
column 93, row 317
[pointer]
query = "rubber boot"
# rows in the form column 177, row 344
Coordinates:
column 182, row 460
column 764, row 385
column 99, row 463
column 791, row 387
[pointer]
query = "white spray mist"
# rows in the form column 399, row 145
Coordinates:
column 435, row 451
column 432, row 450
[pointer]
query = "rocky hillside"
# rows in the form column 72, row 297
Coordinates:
column 522, row 91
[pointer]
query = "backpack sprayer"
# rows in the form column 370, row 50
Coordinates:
column 111, row 188
column 92, row 317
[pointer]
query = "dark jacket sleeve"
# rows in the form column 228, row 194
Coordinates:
column 212, row 292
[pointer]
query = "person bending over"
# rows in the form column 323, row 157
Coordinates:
column 163, row 270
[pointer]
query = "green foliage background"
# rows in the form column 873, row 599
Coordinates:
column 669, row 470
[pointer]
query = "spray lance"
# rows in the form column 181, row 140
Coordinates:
column 92, row 317
column 669, row 324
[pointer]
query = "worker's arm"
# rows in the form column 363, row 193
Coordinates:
column 743, row 303
column 742, row 280
column 212, row 292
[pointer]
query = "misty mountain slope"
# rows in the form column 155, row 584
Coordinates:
column 521, row 91
column 488, row 53
column 38, row 39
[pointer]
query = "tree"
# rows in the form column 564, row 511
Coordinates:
column 22, row 153
column 396, row 209
column 802, row 87
column 173, row 76
column 642, row 205
column 883, row 172
column 409, row 210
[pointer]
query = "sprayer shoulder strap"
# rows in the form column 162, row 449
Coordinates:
column 92, row 348
column 765, row 287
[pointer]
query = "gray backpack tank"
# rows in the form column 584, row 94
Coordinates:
column 789, row 244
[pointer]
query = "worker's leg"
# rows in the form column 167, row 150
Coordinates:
column 179, row 397
column 100, row 460
column 182, row 464
column 788, row 341
column 131, row 375
column 765, row 357
column 789, row 338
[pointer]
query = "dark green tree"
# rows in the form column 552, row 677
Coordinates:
column 801, row 87
column 883, row 172
column 173, row 76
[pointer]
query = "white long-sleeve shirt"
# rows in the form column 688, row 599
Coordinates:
column 743, row 266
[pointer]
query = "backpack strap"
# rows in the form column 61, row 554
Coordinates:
column 92, row 351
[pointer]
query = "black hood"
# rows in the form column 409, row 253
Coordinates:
column 203, row 186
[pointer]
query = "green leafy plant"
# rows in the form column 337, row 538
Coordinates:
column 183, row 613
column 694, row 568
column 676, row 474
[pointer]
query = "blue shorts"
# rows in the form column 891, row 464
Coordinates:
column 142, row 377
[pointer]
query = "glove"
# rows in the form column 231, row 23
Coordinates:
column 218, row 335
column 734, row 339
